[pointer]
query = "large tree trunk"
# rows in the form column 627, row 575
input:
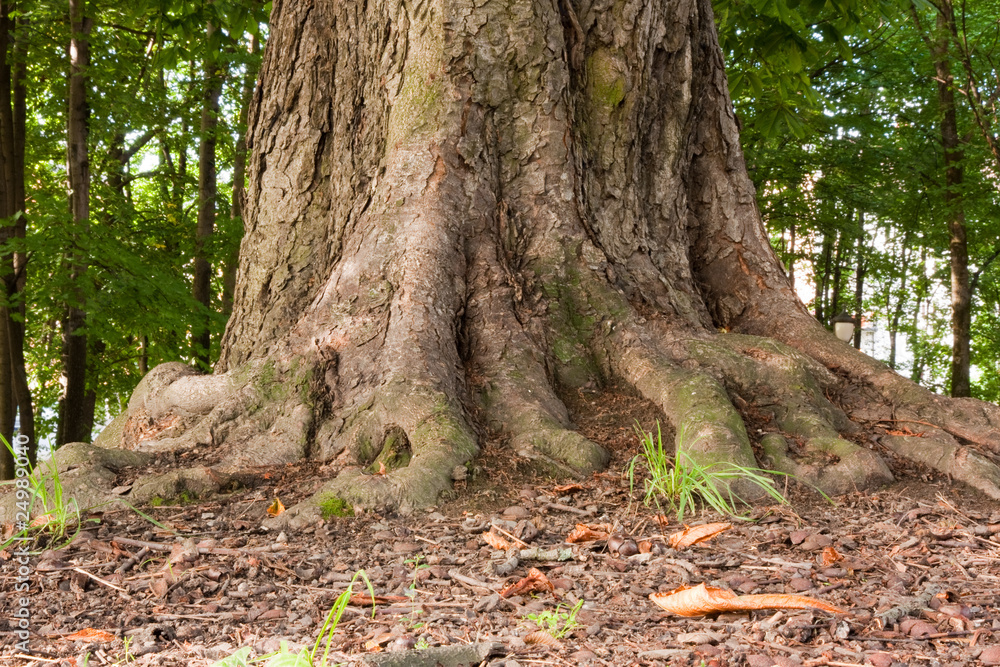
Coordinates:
column 459, row 210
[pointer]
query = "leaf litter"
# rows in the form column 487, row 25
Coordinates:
column 913, row 568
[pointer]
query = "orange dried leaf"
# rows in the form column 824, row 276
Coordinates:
column 535, row 582
column 830, row 556
column 276, row 508
column 543, row 638
column 568, row 488
column 42, row 520
column 496, row 541
column 374, row 645
column 584, row 533
column 695, row 534
column 90, row 635
column 701, row 600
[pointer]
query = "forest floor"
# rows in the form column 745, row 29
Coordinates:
column 916, row 567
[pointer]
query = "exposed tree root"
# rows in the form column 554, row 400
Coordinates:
column 435, row 432
column 87, row 475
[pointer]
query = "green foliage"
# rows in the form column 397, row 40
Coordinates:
column 557, row 622
column 777, row 50
column 683, row 485
column 145, row 83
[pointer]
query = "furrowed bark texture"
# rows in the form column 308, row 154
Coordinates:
column 462, row 208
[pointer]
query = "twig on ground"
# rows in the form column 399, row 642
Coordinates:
column 99, row 580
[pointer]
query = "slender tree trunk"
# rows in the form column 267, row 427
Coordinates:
column 8, row 208
column 74, row 406
column 961, row 293
column 239, row 182
column 838, row 271
column 918, row 347
column 860, row 267
column 791, row 252
column 207, row 194
column 897, row 310
column 823, row 281
column 16, row 300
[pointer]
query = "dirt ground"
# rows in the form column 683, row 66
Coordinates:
column 915, row 566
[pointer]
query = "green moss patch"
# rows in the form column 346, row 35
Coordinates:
column 331, row 507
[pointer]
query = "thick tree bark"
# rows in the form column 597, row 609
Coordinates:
column 460, row 210
column 73, row 414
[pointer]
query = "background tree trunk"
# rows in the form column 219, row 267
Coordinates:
column 73, row 417
column 207, row 194
column 961, row 294
column 239, row 181
column 15, row 292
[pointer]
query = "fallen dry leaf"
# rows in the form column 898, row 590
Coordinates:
column 568, row 488
column 695, row 534
column 159, row 587
column 584, row 533
column 535, row 582
column 700, row 600
column 276, row 508
column 90, row 635
column 496, row 541
column 374, row 645
column 830, row 556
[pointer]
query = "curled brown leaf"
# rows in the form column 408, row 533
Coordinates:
column 91, row 635
column 276, row 508
column 701, row 599
column 584, row 533
column 496, row 541
column 830, row 556
column 535, row 582
column 695, row 534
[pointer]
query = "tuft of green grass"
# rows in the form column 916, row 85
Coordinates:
column 683, row 484
column 285, row 656
column 56, row 516
column 557, row 622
